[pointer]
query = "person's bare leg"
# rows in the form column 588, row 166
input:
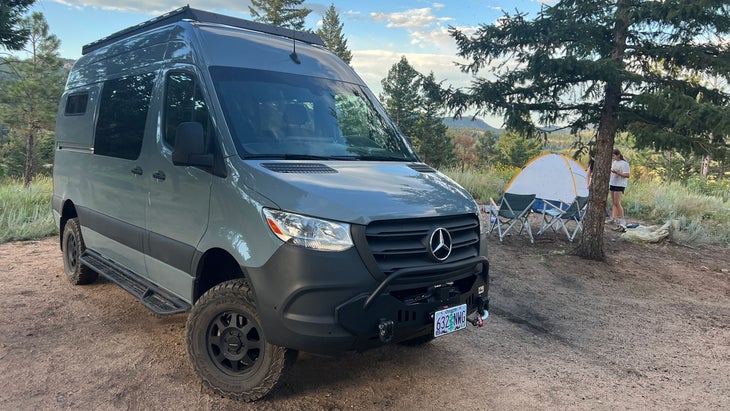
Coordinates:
column 618, row 208
column 613, row 205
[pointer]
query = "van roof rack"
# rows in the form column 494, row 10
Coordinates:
column 187, row 13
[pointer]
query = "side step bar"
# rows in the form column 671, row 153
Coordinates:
column 151, row 296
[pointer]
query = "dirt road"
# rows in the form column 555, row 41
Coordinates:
column 649, row 329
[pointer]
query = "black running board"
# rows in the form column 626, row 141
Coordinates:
column 151, row 296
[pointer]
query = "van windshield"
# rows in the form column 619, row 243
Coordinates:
column 282, row 115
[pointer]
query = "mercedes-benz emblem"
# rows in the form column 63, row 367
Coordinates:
column 440, row 244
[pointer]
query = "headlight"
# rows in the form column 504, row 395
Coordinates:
column 309, row 232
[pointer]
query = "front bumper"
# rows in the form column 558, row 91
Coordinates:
column 410, row 312
column 328, row 303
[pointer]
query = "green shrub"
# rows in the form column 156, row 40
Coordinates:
column 25, row 213
column 702, row 218
column 482, row 185
column 709, row 187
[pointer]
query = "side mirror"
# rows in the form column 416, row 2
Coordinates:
column 190, row 146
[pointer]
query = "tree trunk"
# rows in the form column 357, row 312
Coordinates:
column 591, row 242
column 29, row 150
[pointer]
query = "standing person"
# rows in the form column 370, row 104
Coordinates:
column 620, row 173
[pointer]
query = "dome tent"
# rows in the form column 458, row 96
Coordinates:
column 552, row 177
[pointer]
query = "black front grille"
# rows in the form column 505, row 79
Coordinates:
column 398, row 244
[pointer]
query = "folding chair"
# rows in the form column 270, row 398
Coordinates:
column 513, row 209
column 550, row 210
column 556, row 215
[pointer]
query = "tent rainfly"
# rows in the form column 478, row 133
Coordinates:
column 552, row 177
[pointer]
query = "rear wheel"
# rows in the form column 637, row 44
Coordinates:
column 72, row 246
column 227, row 346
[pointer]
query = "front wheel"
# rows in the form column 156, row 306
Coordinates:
column 72, row 246
column 227, row 346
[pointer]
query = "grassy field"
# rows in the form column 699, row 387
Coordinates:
column 25, row 214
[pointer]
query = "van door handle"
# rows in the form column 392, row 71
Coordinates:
column 158, row 175
column 137, row 170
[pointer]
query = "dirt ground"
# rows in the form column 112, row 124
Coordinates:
column 648, row 329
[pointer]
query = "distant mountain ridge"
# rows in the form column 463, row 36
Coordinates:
column 467, row 122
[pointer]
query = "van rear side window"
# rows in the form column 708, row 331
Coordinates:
column 76, row 104
column 122, row 116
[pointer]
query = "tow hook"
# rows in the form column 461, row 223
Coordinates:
column 478, row 320
column 481, row 314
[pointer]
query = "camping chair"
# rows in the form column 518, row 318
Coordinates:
column 513, row 209
column 549, row 210
column 557, row 215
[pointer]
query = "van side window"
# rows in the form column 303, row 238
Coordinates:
column 122, row 116
column 76, row 104
column 184, row 102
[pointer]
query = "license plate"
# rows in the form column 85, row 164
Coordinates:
column 449, row 320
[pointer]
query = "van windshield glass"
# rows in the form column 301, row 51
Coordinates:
column 281, row 115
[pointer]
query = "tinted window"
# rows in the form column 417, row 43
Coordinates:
column 184, row 102
column 76, row 104
column 122, row 116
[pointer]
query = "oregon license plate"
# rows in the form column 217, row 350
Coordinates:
column 449, row 320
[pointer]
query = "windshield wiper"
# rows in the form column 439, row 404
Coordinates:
column 285, row 157
column 383, row 158
column 323, row 158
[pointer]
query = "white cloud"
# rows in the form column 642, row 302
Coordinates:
column 438, row 38
column 425, row 29
column 410, row 19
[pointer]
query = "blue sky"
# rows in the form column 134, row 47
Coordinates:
column 378, row 32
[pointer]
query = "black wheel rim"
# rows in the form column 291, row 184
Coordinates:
column 234, row 343
column 72, row 253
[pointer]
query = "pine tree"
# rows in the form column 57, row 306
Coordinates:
column 514, row 150
column 415, row 105
column 486, row 147
column 401, row 95
column 13, row 36
column 29, row 99
column 591, row 64
column 281, row 13
column 434, row 146
column 331, row 34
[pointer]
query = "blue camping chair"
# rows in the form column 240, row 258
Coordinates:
column 557, row 214
column 513, row 209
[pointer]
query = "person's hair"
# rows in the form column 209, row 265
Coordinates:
column 617, row 152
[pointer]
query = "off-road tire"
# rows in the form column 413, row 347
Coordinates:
column 72, row 246
column 228, row 348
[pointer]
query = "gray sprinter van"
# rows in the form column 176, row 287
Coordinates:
column 245, row 174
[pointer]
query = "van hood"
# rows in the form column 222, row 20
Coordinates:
column 358, row 192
